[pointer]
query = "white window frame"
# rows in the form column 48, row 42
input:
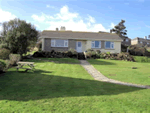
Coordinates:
column 93, row 42
column 110, row 45
column 53, row 43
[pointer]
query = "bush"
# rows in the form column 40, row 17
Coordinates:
column 108, row 53
column 137, row 50
column 98, row 51
column 39, row 54
column 116, row 56
column 4, row 53
column 2, row 66
column 72, row 53
column 90, row 53
column 125, row 56
column 14, row 58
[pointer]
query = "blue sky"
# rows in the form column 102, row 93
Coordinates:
column 89, row 15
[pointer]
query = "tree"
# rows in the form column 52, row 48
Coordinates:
column 18, row 35
column 120, row 29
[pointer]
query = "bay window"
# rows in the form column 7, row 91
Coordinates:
column 59, row 43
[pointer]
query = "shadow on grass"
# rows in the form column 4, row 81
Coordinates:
column 43, row 84
column 55, row 60
column 100, row 62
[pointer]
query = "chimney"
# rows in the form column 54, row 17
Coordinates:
column 57, row 29
column 145, row 37
column 62, row 28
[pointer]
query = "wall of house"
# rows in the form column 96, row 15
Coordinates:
column 117, row 47
column 133, row 42
column 42, row 44
column 46, row 45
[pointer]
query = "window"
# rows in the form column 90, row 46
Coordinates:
column 109, row 45
column 59, row 43
column 96, row 44
column 147, row 43
column 141, row 42
column 127, row 40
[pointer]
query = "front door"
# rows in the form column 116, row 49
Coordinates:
column 79, row 46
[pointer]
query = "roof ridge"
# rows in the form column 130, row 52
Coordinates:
column 79, row 32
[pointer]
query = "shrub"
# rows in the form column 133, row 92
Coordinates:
column 88, row 54
column 89, row 50
column 38, row 54
column 108, row 53
column 4, row 53
column 125, row 56
column 72, row 53
column 103, row 55
column 137, row 50
column 98, row 51
column 2, row 66
column 116, row 56
column 14, row 58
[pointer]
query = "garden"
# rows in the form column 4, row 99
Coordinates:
column 61, row 84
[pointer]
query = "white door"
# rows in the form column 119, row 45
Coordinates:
column 79, row 46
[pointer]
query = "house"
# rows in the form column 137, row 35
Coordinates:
column 63, row 40
column 126, row 42
column 141, row 41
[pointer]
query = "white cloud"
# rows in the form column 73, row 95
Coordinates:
column 48, row 6
column 36, row 25
column 38, row 18
column 6, row 16
column 71, row 20
column 91, row 19
column 112, row 25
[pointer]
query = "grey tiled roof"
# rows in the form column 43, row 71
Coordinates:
column 80, row 35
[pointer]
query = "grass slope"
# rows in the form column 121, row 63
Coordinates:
column 66, row 88
column 122, row 70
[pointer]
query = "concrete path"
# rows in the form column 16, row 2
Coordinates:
column 98, row 76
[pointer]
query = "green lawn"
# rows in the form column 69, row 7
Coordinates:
column 142, row 59
column 61, row 60
column 67, row 88
column 122, row 70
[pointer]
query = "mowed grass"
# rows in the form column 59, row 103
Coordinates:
column 122, row 70
column 61, row 60
column 66, row 88
column 141, row 59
